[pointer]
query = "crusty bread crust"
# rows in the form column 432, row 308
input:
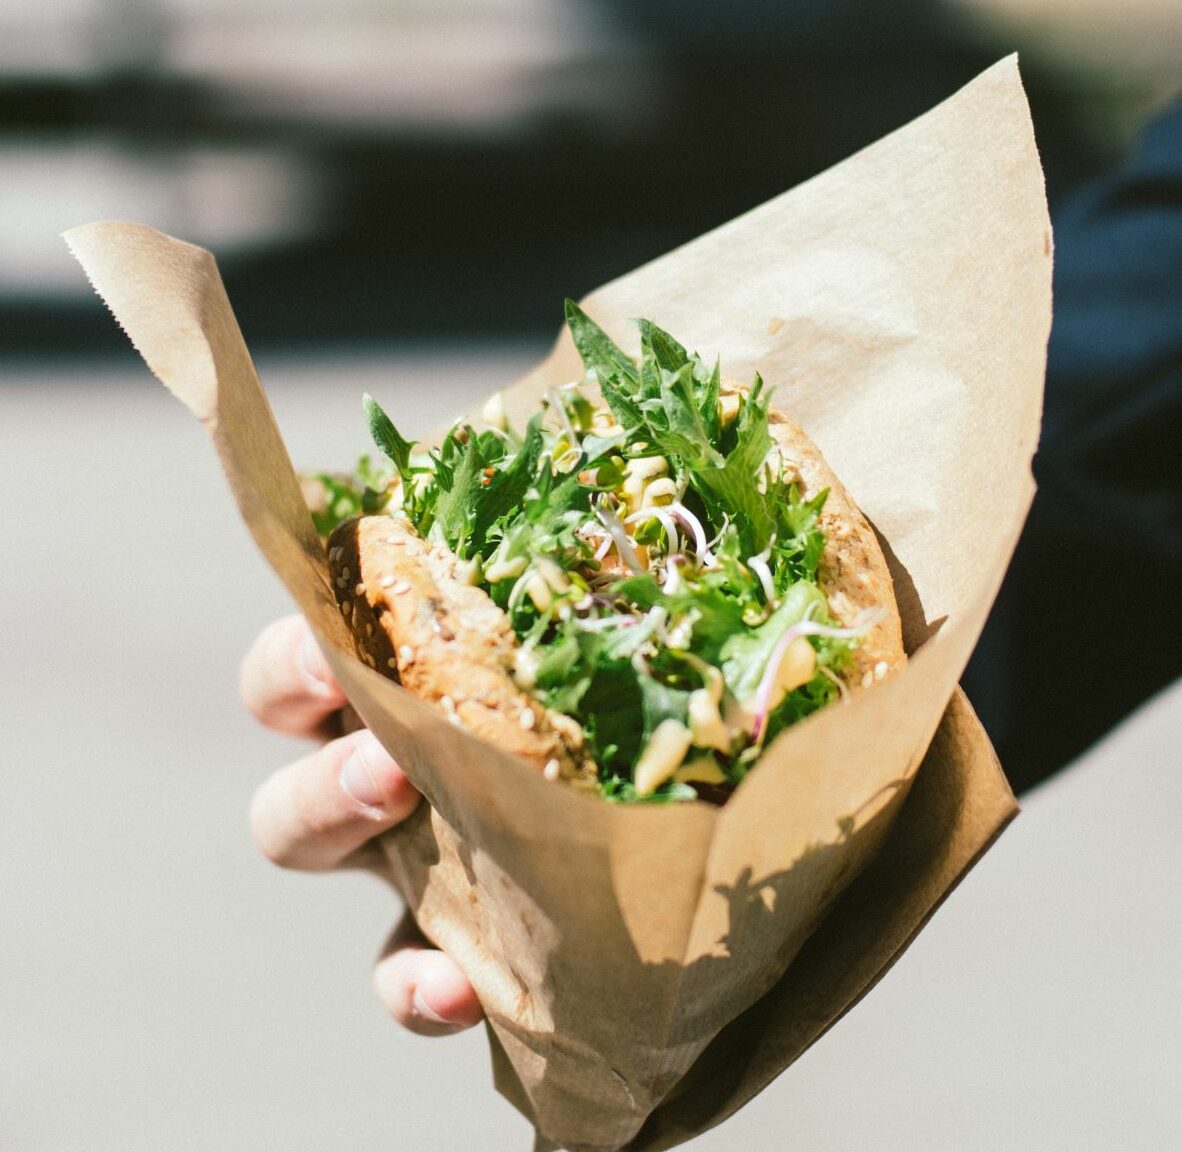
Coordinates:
column 853, row 572
column 417, row 620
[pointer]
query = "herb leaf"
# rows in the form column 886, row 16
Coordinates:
column 733, row 489
column 386, row 436
column 506, row 487
column 455, row 509
column 666, row 351
column 598, row 350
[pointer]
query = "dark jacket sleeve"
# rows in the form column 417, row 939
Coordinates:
column 1089, row 621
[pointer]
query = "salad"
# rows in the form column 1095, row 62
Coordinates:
column 654, row 551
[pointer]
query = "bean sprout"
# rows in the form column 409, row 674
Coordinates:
column 623, row 545
column 667, row 522
column 686, row 517
column 758, row 565
column 865, row 621
column 564, row 417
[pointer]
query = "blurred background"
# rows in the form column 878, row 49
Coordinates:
column 400, row 194
column 376, row 172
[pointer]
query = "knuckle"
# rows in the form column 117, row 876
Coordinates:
column 409, row 981
column 263, row 830
column 257, row 672
column 274, row 685
column 402, row 797
column 392, row 986
column 318, row 811
column 249, row 691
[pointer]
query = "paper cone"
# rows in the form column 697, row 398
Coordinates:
column 645, row 969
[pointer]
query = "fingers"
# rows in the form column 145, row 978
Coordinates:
column 286, row 682
column 321, row 810
column 421, row 987
column 324, row 810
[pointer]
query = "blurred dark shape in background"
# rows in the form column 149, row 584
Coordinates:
column 377, row 172
column 1089, row 621
column 448, row 170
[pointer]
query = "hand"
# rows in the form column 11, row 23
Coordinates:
column 324, row 810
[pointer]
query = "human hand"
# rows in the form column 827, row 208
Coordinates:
column 324, row 810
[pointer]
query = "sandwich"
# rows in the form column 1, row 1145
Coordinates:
column 636, row 593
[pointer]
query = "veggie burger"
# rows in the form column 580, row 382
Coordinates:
column 635, row 593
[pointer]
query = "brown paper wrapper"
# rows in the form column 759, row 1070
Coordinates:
column 646, row 970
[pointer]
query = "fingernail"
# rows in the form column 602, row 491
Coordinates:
column 424, row 1010
column 359, row 773
column 314, row 666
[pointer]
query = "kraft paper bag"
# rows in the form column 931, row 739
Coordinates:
column 647, row 969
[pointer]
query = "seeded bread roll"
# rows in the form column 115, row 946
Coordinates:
column 417, row 619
